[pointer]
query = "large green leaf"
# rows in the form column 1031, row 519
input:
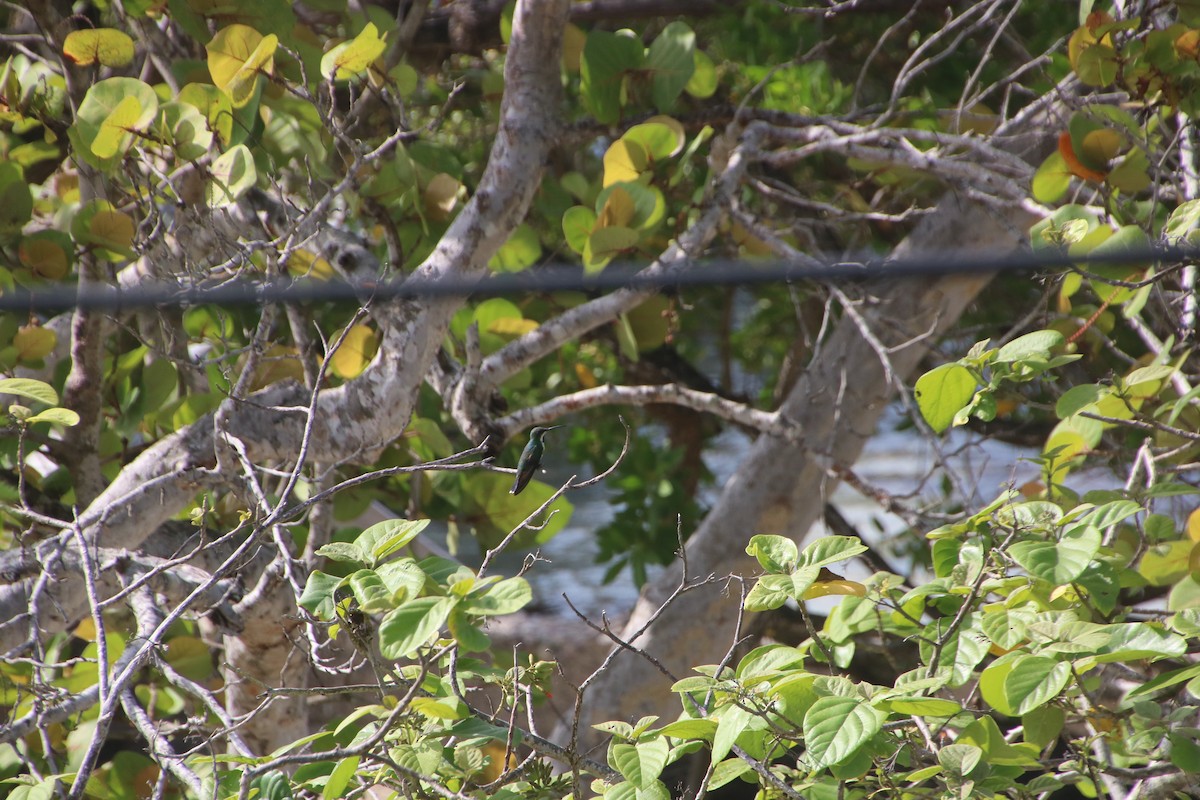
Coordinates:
column 112, row 112
column 1059, row 562
column 29, row 388
column 385, row 538
column 641, row 763
column 775, row 553
column 835, row 728
column 408, row 628
column 607, row 59
column 831, row 549
column 942, row 392
column 672, row 57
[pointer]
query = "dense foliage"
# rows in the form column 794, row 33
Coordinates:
column 194, row 600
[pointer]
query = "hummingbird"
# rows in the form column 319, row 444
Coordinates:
column 531, row 458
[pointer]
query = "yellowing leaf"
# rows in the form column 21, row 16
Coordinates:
column 33, row 342
column 236, row 56
column 306, row 264
column 624, row 161
column 573, row 41
column 1193, row 525
column 587, row 378
column 350, row 58
column 512, row 326
column 441, row 195
column 116, row 132
column 618, row 209
column 840, row 586
column 112, row 230
column 106, row 46
column 46, row 254
column 356, row 351
column 231, row 175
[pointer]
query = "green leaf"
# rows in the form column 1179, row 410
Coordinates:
column 1135, row 641
column 728, row 770
column 578, row 224
column 835, row 728
column 922, row 706
column 1033, row 681
column 344, row 552
column 607, row 59
column 641, row 763
column 31, row 389
column 385, row 538
column 768, row 661
column 339, row 779
column 732, row 723
column 605, row 244
column 770, row 592
column 942, row 392
column 112, row 111
column 1077, row 398
column 1165, row 680
column 185, row 129
column 959, row 759
column 703, row 83
column 522, row 250
column 231, row 175
column 1183, row 226
column 105, row 46
column 58, row 416
column 1059, row 562
column 774, row 553
column 1007, row 628
column 1052, row 179
column 506, row 597
column 1043, row 725
column 672, row 58
column 985, row 734
column 410, row 627
column 690, row 729
column 831, row 549
column 371, row 592
column 317, row 597
column 1032, row 345
column 402, row 577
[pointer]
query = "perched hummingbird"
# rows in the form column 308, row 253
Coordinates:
column 531, row 458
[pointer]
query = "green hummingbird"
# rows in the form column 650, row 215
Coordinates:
column 531, row 458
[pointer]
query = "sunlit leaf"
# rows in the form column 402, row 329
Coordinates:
column 105, row 46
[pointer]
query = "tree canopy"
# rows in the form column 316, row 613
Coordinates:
column 285, row 285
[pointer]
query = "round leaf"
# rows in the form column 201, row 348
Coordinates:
column 942, row 392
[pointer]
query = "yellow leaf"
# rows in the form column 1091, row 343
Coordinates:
column 356, row 351
column 106, row 46
column 441, row 195
column 350, row 58
column 116, row 132
column 587, row 378
column 512, row 326
column 236, row 56
column 306, row 264
column 44, row 256
column 34, row 342
column 1193, row 525
column 624, row 161
column 112, row 230
column 573, row 41
column 618, row 209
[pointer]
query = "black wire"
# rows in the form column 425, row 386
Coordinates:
column 563, row 278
